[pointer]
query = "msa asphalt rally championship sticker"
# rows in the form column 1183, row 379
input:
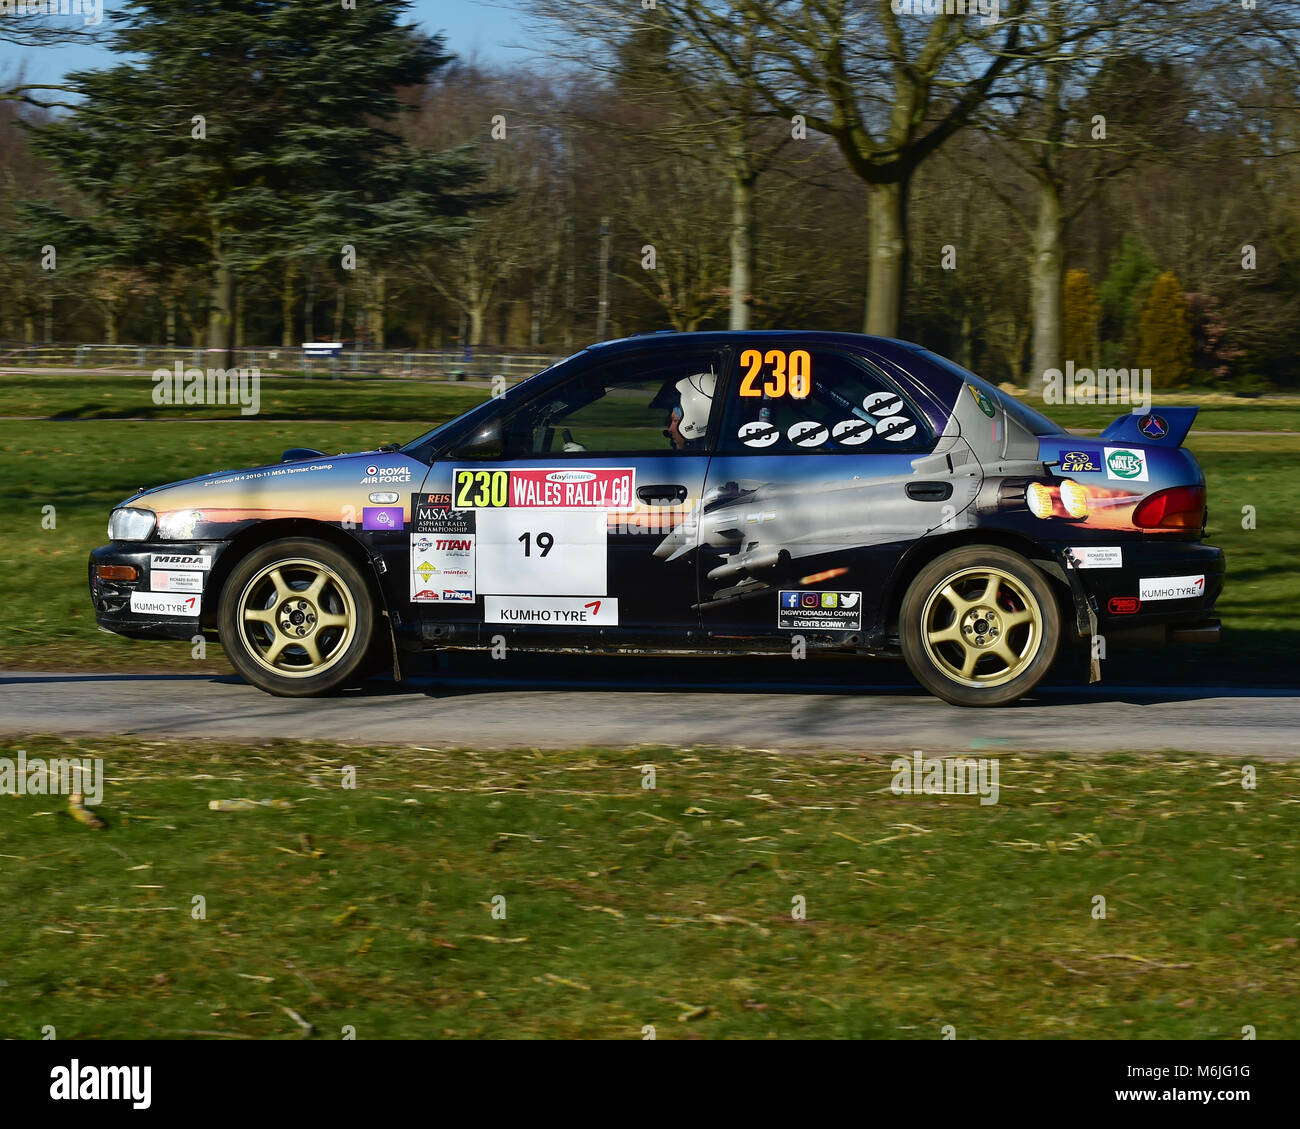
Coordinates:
column 165, row 603
column 1126, row 464
column 804, row 610
column 550, row 611
column 1096, row 556
column 1171, row 588
column 443, row 559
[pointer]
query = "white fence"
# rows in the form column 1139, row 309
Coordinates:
column 439, row 364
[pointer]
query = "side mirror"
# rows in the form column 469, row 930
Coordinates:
column 485, row 443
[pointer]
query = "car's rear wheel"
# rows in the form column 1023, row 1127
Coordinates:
column 297, row 618
column 980, row 626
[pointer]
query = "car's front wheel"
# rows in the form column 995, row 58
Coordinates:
column 980, row 626
column 297, row 618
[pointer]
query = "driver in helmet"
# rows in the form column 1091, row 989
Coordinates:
column 689, row 402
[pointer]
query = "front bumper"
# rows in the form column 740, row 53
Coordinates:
column 165, row 570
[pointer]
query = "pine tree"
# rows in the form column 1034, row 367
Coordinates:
column 1165, row 333
column 239, row 133
column 1082, row 317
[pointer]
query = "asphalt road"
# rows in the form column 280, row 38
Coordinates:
column 569, row 702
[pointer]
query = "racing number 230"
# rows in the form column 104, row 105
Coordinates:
column 476, row 489
column 790, row 373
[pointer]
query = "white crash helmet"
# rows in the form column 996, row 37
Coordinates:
column 696, row 394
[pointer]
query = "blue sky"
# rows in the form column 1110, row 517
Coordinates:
column 492, row 30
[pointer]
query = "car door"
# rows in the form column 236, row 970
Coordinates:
column 818, row 486
column 556, row 523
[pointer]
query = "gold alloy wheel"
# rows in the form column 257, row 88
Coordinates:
column 297, row 616
column 982, row 626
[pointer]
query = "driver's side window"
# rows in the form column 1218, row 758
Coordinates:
column 652, row 404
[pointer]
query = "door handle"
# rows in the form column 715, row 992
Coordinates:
column 929, row 491
column 665, row 493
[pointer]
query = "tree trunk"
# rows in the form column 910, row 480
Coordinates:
column 110, row 324
column 887, row 212
column 378, row 307
column 1047, row 281
column 287, row 299
column 742, row 251
column 169, row 329
column 339, row 308
column 221, row 314
column 309, row 309
column 477, row 321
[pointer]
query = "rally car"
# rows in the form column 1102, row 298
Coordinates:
column 707, row 493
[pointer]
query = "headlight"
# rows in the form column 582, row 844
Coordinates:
column 1074, row 498
column 128, row 524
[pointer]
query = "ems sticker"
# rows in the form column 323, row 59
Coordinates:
column 1126, row 464
column 163, row 603
column 1080, row 462
column 809, row 433
column 1172, row 588
column 986, row 405
column 550, row 611
column 813, row 610
column 758, row 433
column 883, row 403
column 852, row 432
column 178, row 560
column 183, row 581
column 895, row 429
column 1097, row 556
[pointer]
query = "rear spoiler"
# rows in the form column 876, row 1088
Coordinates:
column 1158, row 427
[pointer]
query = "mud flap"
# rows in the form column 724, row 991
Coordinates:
column 379, row 566
column 1085, row 615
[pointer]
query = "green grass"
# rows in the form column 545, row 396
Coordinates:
column 628, row 907
column 83, row 467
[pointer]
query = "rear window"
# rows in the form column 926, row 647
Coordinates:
column 1034, row 422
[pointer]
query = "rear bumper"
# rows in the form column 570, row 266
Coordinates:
column 154, row 591
column 1116, row 594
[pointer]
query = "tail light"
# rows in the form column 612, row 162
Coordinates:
column 1179, row 507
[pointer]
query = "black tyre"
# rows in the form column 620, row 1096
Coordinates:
column 980, row 626
column 297, row 618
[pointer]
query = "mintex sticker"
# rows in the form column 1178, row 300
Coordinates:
column 164, row 603
column 600, row 488
column 443, row 551
column 178, row 560
column 1097, row 556
column 1171, row 588
column 548, row 611
column 832, row 611
column 181, row 581
column 1126, row 464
